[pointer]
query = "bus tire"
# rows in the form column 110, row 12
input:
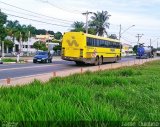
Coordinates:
column 96, row 62
column 116, row 59
column 101, row 60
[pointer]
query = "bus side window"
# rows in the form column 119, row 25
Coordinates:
column 98, row 43
column 88, row 41
column 112, row 44
column 92, row 42
column 95, row 42
column 108, row 44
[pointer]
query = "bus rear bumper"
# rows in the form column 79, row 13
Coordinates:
column 85, row 60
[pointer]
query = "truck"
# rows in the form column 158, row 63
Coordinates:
column 145, row 52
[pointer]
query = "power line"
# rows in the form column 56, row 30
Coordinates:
column 31, row 15
column 37, row 20
column 128, row 40
column 64, row 9
column 34, row 12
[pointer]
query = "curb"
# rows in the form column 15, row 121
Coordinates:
column 19, row 81
column 14, row 62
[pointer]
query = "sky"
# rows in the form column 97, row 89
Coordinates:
column 144, row 14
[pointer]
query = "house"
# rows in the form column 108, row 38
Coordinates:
column 45, row 38
column 127, row 49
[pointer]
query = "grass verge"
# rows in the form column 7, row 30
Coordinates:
column 9, row 60
column 127, row 94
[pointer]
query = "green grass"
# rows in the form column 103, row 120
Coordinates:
column 9, row 60
column 128, row 94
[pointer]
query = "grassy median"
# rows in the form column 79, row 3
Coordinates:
column 128, row 94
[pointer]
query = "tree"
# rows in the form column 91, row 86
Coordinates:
column 58, row 35
column 51, row 32
column 78, row 27
column 57, row 47
column 113, row 36
column 41, row 31
column 135, row 48
column 92, row 31
column 100, row 22
column 32, row 30
column 40, row 46
column 3, row 19
column 8, row 43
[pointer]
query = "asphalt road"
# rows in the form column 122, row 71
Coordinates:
column 20, row 70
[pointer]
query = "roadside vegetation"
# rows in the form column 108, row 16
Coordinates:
column 127, row 94
column 9, row 60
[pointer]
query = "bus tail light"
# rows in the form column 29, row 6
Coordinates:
column 81, row 52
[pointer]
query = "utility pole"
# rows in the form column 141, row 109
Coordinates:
column 139, row 37
column 20, row 43
column 28, row 43
column 157, row 43
column 2, row 49
column 150, row 42
column 120, row 30
column 86, row 14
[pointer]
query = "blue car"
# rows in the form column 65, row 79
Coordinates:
column 42, row 57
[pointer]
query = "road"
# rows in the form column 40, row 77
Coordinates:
column 20, row 70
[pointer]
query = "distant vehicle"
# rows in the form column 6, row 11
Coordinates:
column 145, row 52
column 86, row 48
column 43, row 57
column 158, row 52
column 1, row 61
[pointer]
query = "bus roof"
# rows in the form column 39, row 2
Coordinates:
column 97, row 37
column 103, row 38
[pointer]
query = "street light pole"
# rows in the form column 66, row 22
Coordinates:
column 86, row 14
column 120, row 30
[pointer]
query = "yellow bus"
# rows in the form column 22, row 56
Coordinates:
column 90, row 49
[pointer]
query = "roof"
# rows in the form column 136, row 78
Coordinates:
column 97, row 37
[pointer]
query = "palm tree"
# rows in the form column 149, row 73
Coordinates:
column 100, row 22
column 12, row 29
column 78, row 27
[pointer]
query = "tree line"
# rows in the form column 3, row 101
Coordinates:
column 98, row 25
column 20, row 32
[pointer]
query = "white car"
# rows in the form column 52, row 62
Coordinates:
column 1, row 61
column 158, row 53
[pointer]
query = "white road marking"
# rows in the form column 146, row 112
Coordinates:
column 19, row 68
column 28, row 76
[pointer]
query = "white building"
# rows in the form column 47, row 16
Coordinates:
column 127, row 49
column 27, row 47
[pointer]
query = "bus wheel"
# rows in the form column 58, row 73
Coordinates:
column 116, row 59
column 96, row 62
column 100, row 61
